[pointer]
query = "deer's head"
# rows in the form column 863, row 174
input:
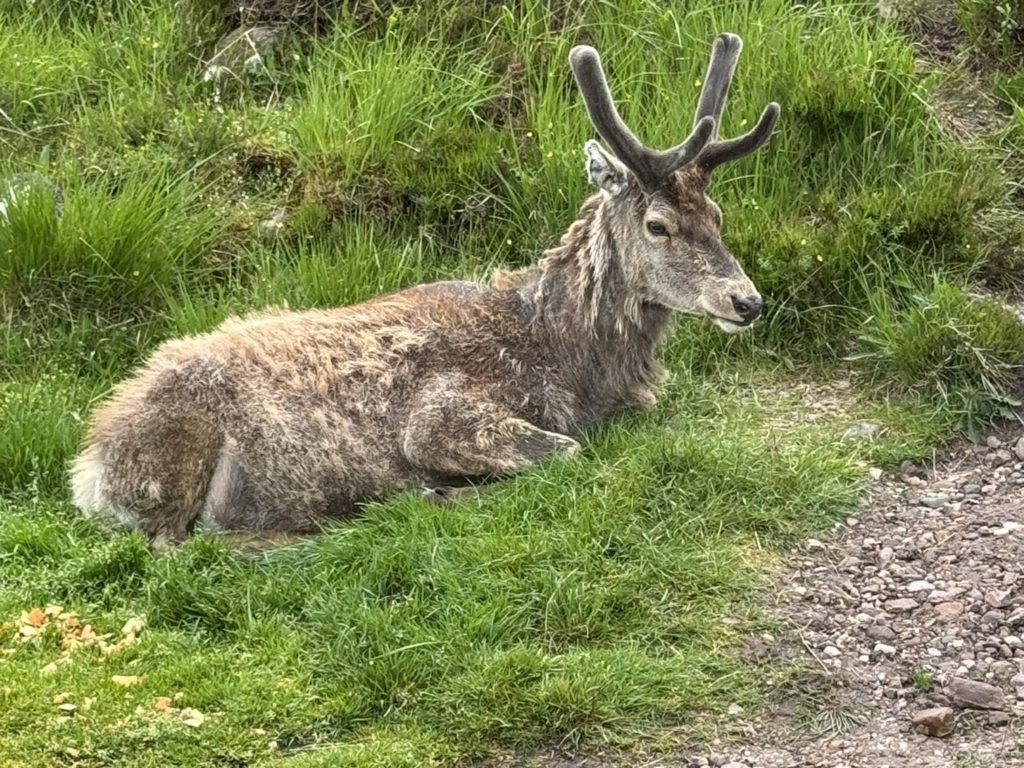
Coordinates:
column 665, row 225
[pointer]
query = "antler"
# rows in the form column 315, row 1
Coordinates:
column 650, row 166
column 725, row 52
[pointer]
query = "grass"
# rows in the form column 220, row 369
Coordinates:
column 586, row 603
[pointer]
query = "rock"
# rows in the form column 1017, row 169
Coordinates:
column 936, row 501
column 831, row 650
column 1006, row 528
column 272, row 226
column 880, row 632
column 993, row 442
column 910, row 469
column 888, row 650
column 949, row 610
column 937, row 721
column 901, row 604
column 735, row 709
column 998, row 719
column 1018, row 449
column 999, row 598
column 1000, row 458
column 242, row 52
column 1017, row 681
column 974, row 695
column 992, row 618
column 862, row 430
column 988, row 489
column 972, row 490
column 875, row 473
column 920, row 586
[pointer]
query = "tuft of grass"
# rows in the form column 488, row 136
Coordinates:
column 962, row 352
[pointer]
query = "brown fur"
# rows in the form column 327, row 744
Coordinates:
column 280, row 421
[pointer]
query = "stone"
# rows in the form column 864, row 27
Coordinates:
column 998, row 719
column 934, row 501
column 875, row 473
column 1006, row 528
column 1017, row 681
column 1018, row 449
column 831, row 650
column 949, row 610
column 901, row 604
column 975, row 695
column 999, row 598
column 1000, row 458
column 993, row 442
column 888, row 650
column 862, row 430
column 271, row 227
column 972, row 490
column 242, row 51
column 920, row 586
column 937, row 721
column 880, row 632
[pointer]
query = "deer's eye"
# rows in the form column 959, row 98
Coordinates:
column 656, row 228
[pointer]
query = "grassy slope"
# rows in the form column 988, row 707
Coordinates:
column 588, row 601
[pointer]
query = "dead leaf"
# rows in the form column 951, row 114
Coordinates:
column 162, row 703
column 50, row 669
column 72, row 752
column 35, row 618
column 87, row 703
column 126, row 680
column 67, row 707
column 53, row 610
column 60, row 698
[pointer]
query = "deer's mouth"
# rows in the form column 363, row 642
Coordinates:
column 728, row 325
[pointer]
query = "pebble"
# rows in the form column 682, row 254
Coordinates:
column 975, row 695
column 920, row 586
column 938, row 501
column 949, row 610
column 901, row 604
column 937, row 721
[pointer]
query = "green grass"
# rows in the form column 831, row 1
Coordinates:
column 586, row 603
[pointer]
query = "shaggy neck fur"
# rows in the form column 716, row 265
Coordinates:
column 588, row 308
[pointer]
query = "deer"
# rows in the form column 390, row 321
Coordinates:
column 279, row 422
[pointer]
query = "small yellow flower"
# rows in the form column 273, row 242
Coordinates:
column 803, row 242
column 529, row 134
column 818, row 257
column 509, row 241
column 156, row 44
column 549, row 154
column 743, row 122
column 697, row 83
column 135, row 273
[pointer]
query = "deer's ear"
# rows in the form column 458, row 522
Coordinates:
column 603, row 170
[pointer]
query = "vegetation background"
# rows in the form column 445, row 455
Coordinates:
column 593, row 602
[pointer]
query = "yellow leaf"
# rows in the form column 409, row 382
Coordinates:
column 35, row 618
column 126, row 680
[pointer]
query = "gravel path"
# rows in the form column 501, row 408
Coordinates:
column 912, row 616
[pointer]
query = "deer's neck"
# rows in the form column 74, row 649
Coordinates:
column 594, row 319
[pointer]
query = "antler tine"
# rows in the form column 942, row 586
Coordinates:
column 586, row 66
column 725, row 52
column 719, row 152
column 651, row 167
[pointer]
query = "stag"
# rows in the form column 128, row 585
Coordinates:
column 280, row 421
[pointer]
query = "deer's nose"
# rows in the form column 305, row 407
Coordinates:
column 748, row 307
